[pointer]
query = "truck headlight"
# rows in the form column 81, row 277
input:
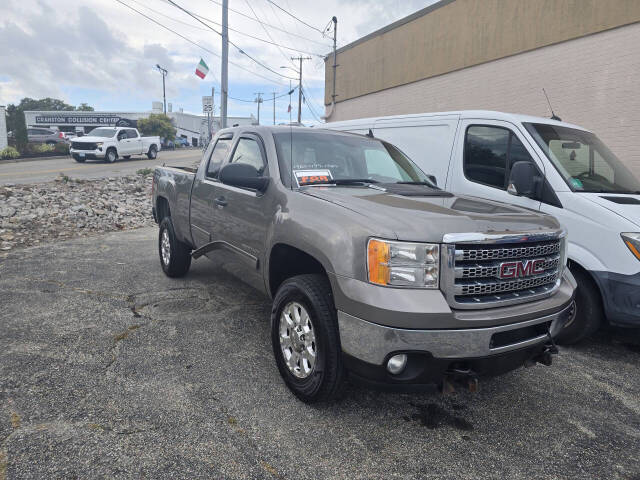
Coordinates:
column 99, row 144
column 403, row 264
column 632, row 241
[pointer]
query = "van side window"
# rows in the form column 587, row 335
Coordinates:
column 490, row 152
column 218, row 155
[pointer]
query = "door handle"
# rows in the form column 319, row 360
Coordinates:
column 220, row 201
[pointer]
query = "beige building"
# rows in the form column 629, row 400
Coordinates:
column 498, row 55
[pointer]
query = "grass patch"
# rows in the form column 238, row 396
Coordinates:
column 145, row 171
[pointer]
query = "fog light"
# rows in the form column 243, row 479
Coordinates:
column 396, row 364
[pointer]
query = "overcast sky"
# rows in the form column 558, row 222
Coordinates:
column 103, row 53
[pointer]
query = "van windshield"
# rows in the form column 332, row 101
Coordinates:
column 103, row 132
column 585, row 163
column 343, row 157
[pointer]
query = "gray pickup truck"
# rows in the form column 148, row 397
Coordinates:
column 373, row 270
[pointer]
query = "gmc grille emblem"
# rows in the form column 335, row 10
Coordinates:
column 525, row 268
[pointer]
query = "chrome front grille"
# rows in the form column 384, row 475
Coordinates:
column 500, row 270
column 468, row 253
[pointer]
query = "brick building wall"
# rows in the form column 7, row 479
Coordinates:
column 592, row 81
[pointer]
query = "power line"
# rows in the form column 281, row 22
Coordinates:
column 293, row 16
column 264, row 28
column 288, row 92
column 272, row 42
column 272, row 26
column 237, row 47
column 197, row 44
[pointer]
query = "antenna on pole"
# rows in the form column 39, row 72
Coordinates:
column 553, row 115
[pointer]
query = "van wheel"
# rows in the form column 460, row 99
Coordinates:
column 111, row 155
column 588, row 314
column 175, row 256
column 152, row 153
column 305, row 338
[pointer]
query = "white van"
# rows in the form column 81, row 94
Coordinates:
column 547, row 165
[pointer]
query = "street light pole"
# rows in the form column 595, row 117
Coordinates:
column 258, row 100
column 164, row 72
column 224, row 68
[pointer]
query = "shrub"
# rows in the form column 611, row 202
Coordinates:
column 43, row 148
column 9, row 152
column 62, row 148
column 145, row 171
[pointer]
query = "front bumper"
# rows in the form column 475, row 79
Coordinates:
column 621, row 297
column 88, row 154
column 374, row 343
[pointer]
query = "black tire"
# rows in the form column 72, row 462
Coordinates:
column 179, row 259
column 326, row 379
column 79, row 159
column 152, row 153
column 588, row 316
column 111, row 155
column 126, row 157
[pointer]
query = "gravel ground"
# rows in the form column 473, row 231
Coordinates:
column 39, row 213
column 109, row 369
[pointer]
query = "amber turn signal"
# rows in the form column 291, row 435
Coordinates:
column 378, row 261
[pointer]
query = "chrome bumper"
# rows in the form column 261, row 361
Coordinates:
column 373, row 343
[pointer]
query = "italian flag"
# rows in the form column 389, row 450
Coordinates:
column 202, row 69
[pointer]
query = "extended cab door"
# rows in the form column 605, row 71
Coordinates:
column 242, row 213
column 206, row 192
column 485, row 150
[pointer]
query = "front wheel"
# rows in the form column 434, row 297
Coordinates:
column 152, row 153
column 305, row 338
column 588, row 313
column 175, row 256
column 111, row 155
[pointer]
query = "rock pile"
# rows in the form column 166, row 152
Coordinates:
column 46, row 212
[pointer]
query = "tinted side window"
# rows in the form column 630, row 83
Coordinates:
column 219, row 153
column 485, row 155
column 248, row 151
column 132, row 133
column 518, row 152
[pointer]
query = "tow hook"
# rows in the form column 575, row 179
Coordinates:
column 545, row 357
column 459, row 377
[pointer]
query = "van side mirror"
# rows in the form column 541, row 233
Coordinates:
column 433, row 179
column 243, row 176
column 524, row 180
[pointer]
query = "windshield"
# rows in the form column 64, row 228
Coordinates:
column 342, row 157
column 585, row 163
column 103, row 132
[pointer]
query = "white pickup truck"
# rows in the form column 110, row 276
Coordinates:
column 110, row 143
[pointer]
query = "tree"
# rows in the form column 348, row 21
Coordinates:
column 17, row 125
column 46, row 104
column 83, row 107
column 157, row 124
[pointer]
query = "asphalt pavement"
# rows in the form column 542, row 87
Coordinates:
column 109, row 369
column 47, row 169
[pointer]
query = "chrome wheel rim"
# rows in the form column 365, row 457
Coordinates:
column 165, row 247
column 111, row 157
column 572, row 315
column 297, row 340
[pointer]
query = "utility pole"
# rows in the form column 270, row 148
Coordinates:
column 274, row 107
column 224, row 70
column 164, row 72
column 300, row 58
column 258, row 100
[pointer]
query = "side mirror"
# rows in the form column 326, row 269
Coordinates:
column 524, row 180
column 243, row 176
column 433, row 179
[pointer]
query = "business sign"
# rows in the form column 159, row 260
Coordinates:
column 207, row 104
column 74, row 118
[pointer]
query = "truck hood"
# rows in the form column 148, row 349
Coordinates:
column 627, row 206
column 90, row 139
column 429, row 218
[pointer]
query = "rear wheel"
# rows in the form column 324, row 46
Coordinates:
column 588, row 314
column 111, row 156
column 175, row 256
column 305, row 338
column 152, row 153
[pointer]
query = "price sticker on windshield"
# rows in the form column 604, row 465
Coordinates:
column 311, row 177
